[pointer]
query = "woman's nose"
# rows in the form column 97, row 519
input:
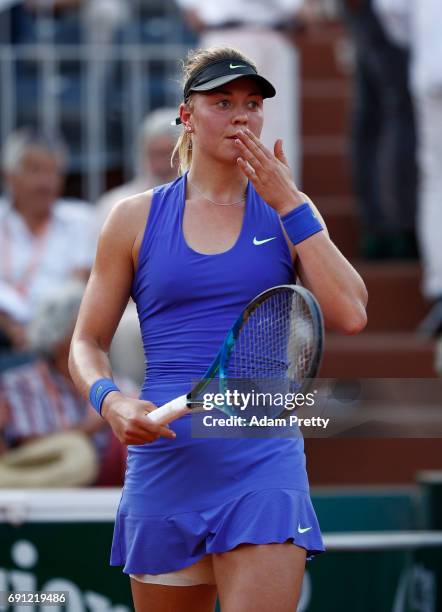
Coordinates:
column 240, row 119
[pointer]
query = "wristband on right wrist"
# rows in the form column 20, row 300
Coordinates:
column 301, row 223
column 99, row 390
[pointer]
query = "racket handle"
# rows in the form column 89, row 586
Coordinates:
column 169, row 412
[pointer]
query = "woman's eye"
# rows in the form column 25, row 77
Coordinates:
column 253, row 104
column 223, row 103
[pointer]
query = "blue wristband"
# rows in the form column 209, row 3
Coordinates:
column 99, row 390
column 301, row 223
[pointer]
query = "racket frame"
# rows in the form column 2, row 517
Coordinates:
column 185, row 404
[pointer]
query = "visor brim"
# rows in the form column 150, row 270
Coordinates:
column 267, row 89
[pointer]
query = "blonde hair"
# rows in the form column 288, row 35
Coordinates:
column 196, row 60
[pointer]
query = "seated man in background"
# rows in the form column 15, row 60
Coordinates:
column 44, row 240
column 156, row 142
column 56, row 438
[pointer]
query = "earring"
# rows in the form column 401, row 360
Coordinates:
column 188, row 128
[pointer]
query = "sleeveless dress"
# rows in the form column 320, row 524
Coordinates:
column 189, row 497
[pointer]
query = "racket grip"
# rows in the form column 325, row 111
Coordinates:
column 169, row 412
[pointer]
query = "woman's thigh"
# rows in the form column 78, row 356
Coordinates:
column 260, row 577
column 160, row 598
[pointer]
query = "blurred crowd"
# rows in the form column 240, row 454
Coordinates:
column 48, row 241
column 397, row 152
column 49, row 435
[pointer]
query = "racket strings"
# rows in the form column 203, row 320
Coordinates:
column 277, row 341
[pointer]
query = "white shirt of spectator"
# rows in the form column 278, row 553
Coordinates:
column 259, row 12
column 68, row 246
column 418, row 25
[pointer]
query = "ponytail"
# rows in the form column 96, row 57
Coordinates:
column 183, row 149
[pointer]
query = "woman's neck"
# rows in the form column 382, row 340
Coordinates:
column 218, row 182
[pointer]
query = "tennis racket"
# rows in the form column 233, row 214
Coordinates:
column 275, row 346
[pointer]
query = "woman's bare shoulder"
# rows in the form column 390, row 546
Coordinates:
column 131, row 210
column 127, row 219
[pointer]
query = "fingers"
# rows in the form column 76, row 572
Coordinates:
column 148, row 426
column 132, row 424
column 141, row 430
column 249, row 157
column 138, row 440
column 130, row 433
column 249, row 143
column 253, row 158
column 279, row 152
column 248, row 170
column 278, row 149
column 256, row 143
column 256, row 161
column 165, row 432
column 152, row 426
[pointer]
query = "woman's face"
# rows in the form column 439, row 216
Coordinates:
column 217, row 115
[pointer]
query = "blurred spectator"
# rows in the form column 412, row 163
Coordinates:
column 17, row 17
column 102, row 18
column 418, row 25
column 43, row 240
column 156, row 142
column 38, row 400
column 264, row 32
column 384, row 166
column 52, row 5
column 15, row 23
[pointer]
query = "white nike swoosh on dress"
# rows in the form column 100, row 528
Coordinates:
column 303, row 529
column 257, row 242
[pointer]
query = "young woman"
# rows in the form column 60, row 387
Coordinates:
column 201, row 516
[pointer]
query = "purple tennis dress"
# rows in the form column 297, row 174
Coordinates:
column 188, row 497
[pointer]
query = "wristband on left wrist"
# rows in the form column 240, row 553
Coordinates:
column 301, row 223
column 99, row 390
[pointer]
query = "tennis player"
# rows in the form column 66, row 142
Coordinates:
column 197, row 515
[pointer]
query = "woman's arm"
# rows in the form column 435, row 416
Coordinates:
column 319, row 264
column 339, row 289
column 323, row 269
column 103, row 304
